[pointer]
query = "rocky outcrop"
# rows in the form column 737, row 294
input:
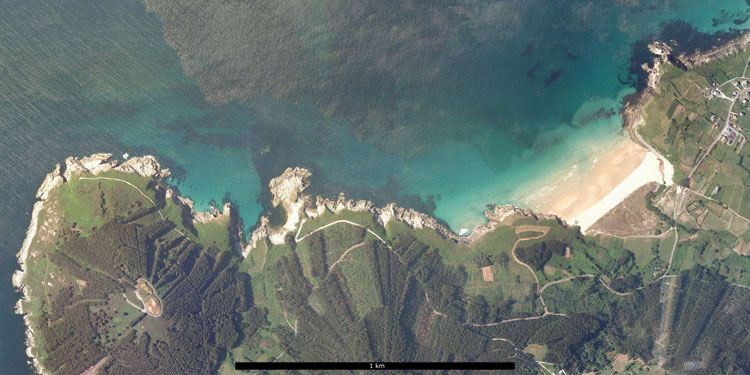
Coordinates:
column 632, row 110
column 213, row 214
column 145, row 166
column 261, row 234
column 660, row 48
column 93, row 164
column 663, row 55
column 202, row 217
column 286, row 187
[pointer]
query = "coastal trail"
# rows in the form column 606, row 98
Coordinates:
column 297, row 238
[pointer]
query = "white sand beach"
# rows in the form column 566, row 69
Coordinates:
column 588, row 195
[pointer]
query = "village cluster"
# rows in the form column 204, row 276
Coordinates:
column 732, row 134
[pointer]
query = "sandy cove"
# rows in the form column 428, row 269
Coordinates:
column 588, row 195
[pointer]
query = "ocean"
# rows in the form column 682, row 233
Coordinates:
column 440, row 106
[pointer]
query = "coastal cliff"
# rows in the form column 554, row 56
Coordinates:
column 287, row 191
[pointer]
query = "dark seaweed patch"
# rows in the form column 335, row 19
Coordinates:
column 529, row 48
column 554, row 74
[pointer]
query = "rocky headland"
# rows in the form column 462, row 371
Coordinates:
column 145, row 166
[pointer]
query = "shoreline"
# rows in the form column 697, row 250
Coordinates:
column 17, row 278
column 287, row 192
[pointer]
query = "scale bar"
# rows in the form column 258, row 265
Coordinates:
column 492, row 366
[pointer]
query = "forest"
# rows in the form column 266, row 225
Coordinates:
column 419, row 314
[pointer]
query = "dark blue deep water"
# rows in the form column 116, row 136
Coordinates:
column 442, row 106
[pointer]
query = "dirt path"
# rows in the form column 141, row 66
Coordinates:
column 153, row 294
column 588, row 275
column 521, row 229
column 297, row 238
column 594, row 233
column 128, row 183
column 540, row 289
column 294, row 328
column 546, row 311
column 141, row 309
column 93, row 369
column 343, row 255
column 728, row 209
column 532, row 228
column 528, row 228
column 621, row 294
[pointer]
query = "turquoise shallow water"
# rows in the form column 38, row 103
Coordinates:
column 470, row 123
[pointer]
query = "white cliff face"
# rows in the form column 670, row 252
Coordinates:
column 50, row 182
column 145, row 166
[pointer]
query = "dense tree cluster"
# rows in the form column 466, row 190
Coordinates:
column 538, row 253
column 317, row 254
column 72, row 342
column 482, row 259
column 702, row 292
column 443, row 284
